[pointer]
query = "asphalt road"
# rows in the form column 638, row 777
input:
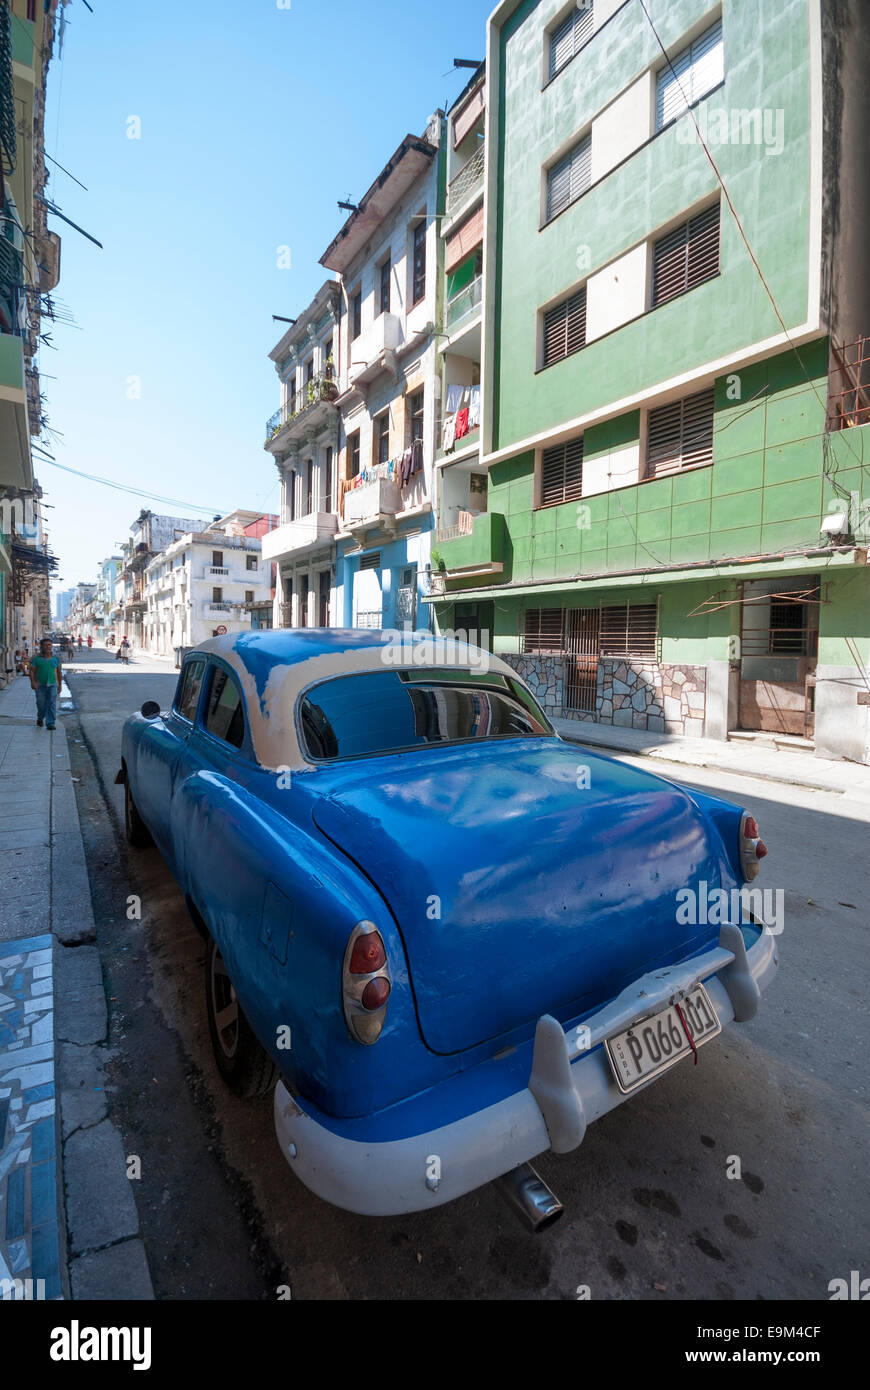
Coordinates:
column 651, row 1212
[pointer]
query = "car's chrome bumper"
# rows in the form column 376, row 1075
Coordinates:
column 568, row 1088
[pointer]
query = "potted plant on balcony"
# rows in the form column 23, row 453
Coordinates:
column 328, row 384
column 438, row 573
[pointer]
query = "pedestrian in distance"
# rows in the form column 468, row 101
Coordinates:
column 45, row 679
column 90, row 641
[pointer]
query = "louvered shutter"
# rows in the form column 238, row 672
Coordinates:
column 686, row 256
column 544, row 630
column 690, row 75
column 680, row 435
column 569, row 178
column 562, row 473
column 569, row 37
column 565, row 327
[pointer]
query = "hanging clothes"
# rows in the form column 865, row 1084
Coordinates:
column 448, row 439
column 405, row 468
column 461, row 423
column 474, row 409
column 454, row 399
column 416, row 457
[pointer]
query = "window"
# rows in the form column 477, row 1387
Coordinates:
column 309, row 370
column 372, row 561
column 690, row 75
column 629, row 630
column 326, row 359
column 217, row 595
column 291, row 395
column 570, row 177
column 353, row 455
column 309, row 487
column 382, row 437
column 327, row 480
column 680, row 435
column 562, row 473
column 569, row 36
column 788, row 628
column 543, row 630
column 303, row 600
column 224, row 715
column 415, row 414
column 323, row 599
column 217, row 559
column 565, row 328
column 419, row 261
column 251, row 562
column 291, row 490
column 384, row 272
column 375, row 712
column 356, row 314
column 188, row 689
column 249, row 596
column 686, row 257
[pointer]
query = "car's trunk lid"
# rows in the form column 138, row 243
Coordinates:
column 526, row 878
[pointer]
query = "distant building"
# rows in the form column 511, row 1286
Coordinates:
column 207, row 581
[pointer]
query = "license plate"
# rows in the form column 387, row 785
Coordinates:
column 653, row 1044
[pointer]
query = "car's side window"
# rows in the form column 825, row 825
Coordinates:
column 191, row 683
column 224, row 711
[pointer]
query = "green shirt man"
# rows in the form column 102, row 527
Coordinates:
column 46, row 678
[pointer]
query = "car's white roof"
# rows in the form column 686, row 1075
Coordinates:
column 274, row 666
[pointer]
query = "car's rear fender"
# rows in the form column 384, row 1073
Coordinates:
column 281, row 904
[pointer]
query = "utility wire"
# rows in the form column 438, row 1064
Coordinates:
column 123, row 487
column 752, row 256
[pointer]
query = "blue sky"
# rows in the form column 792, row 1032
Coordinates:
column 255, row 119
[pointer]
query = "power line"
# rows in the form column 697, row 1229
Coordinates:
column 752, row 256
column 123, row 487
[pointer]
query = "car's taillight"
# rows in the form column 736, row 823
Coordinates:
column 752, row 849
column 365, row 983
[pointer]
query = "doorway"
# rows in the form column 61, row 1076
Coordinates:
column 778, row 653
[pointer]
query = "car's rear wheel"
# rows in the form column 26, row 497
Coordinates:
column 136, row 830
column 244, row 1065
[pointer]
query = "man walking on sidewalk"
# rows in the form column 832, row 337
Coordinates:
column 46, row 678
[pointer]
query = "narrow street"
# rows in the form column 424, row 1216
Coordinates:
column 651, row 1212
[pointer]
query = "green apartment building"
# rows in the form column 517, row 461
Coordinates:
column 674, row 425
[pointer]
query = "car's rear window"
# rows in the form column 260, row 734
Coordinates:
column 386, row 711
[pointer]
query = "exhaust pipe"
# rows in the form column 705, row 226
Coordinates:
column 529, row 1197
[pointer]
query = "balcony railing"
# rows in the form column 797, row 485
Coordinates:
column 849, row 387
column 369, row 617
column 320, row 388
column 216, row 607
column 463, row 526
column 466, row 182
column 217, row 569
column 463, row 304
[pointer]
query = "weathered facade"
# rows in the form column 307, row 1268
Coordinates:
column 675, row 309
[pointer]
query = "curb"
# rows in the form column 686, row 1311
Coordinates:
column 101, row 1220
column 660, row 755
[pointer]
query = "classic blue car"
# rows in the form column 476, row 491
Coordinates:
column 456, row 937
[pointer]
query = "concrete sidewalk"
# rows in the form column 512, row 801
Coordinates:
column 795, row 768
column 68, row 1220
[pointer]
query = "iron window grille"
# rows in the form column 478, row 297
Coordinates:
column 384, row 287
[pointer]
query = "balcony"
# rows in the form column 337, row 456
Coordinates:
column 369, row 353
column 312, row 402
column 374, row 504
column 467, row 183
column 295, row 537
column 474, row 550
column 463, row 527
column 463, row 305
column 221, row 570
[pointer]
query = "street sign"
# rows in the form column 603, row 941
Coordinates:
column 220, row 630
